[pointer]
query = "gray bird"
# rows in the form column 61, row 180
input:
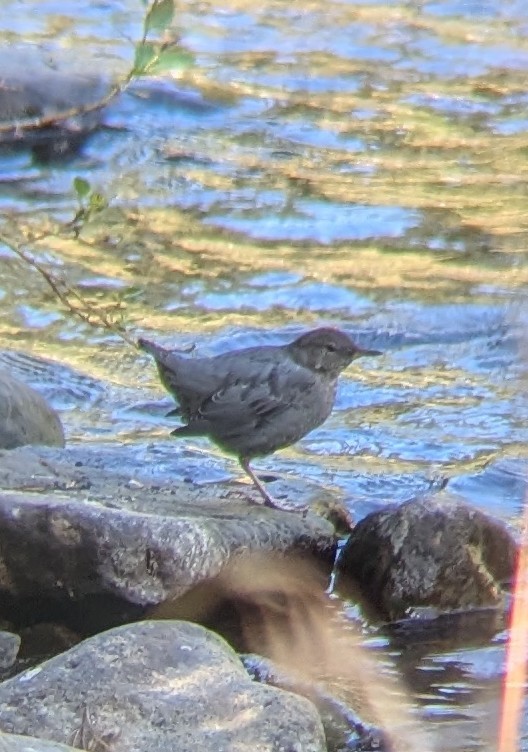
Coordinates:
column 256, row 400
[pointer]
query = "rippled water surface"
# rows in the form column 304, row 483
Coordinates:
column 361, row 165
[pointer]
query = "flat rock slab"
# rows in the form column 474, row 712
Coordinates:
column 436, row 552
column 157, row 686
column 91, row 535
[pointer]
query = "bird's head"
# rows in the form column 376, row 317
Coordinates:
column 326, row 350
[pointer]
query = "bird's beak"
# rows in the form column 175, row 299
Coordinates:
column 360, row 352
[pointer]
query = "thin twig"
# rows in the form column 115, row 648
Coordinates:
column 71, row 299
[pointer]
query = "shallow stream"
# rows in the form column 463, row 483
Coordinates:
column 360, row 165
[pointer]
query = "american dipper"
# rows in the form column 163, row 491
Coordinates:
column 258, row 399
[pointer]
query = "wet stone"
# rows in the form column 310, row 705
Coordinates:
column 167, row 685
column 49, row 108
column 9, row 646
column 437, row 552
column 344, row 729
column 92, row 549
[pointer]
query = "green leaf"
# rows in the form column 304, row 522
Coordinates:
column 145, row 54
column 160, row 15
column 172, row 60
column 81, row 187
column 97, row 202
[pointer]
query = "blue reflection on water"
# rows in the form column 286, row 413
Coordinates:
column 315, row 296
column 321, row 222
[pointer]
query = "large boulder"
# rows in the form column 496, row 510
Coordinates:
column 434, row 552
column 166, row 686
column 93, row 547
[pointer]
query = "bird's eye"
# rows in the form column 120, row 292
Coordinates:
column 330, row 347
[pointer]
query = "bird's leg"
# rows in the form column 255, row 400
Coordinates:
column 269, row 501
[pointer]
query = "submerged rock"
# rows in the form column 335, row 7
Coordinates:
column 25, row 416
column 437, row 552
column 166, row 686
column 48, row 102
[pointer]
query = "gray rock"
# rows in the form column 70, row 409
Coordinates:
column 94, row 537
column 25, row 416
column 436, row 552
column 9, row 646
column 17, row 743
column 72, row 550
column 48, row 100
column 157, row 686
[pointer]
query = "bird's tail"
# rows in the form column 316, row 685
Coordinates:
column 151, row 347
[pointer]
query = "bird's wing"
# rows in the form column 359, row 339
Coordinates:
column 190, row 380
column 249, row 403
column 187, row 377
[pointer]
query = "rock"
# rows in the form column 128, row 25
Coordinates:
column 436, row 552
column 44, row 640
column 157, row 686
column 25, row 416
column 17, row 743
column 463, row 628
column 102, row 549
column 83, row 554
column 9, row 646
column 50, row 108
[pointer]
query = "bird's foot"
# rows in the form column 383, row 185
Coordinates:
column 283, row 506
column 268, row 500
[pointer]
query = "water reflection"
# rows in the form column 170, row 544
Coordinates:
column 317, row 221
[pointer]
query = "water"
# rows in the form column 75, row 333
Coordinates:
column 358, row 165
